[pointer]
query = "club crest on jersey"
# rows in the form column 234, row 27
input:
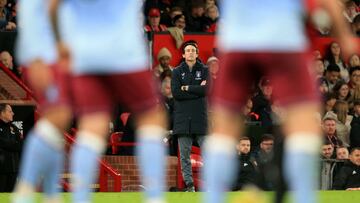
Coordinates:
column 198, row 75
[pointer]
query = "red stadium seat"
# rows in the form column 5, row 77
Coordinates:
column 114, row 139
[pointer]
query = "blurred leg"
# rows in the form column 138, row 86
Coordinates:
column 86, row 152
column 151, row 152
column 219, row 155
column 44, row 144
column 301, row 151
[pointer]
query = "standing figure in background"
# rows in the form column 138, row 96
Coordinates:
column 11, row 142
column 189, row 88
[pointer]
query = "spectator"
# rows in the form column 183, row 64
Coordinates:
column 262, row 102
column 164, row 7
column 333, row 55
column 319, row 68
column 211, row 18
column 10, row 149
column 342, row 91
column 329, row 129
column 354, row 78
column 164, row 57
column 332, row 76
column 154, row 21
column 5, row 17
column 327, row 150
column 342, row 153
column 213, row 64
column 196, row 18
column 248, row 115
column 247, row 168
column 343, row 120
column 327, row 166
column 355, row 126
column 317, row 54
column 167, row 95
column 209, row 3
column 265, row 153
column 177, row 31
column 348, row 177
column 179, row 21
column 7, row 60
column 168, row 19
column 322, row 86
column 168, row 99
column 354, row 60
column 330, row 100
column 351, row 10
column 355, row 25
column 188, row 86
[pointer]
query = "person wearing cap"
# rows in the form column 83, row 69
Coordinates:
column 164, row 57
column 213, row 64
column 189, row 88
column 154, row 21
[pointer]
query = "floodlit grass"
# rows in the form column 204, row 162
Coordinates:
column 184, row 197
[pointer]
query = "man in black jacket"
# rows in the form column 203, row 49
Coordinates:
column 348, row 177
column 355, row 126
column 188, row 85
column 10, row 149
column 247, row 166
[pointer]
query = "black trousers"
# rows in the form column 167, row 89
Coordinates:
column 7, row 182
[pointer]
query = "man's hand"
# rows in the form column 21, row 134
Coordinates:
column 40, row 76
column 10, row 26
column 203, row 83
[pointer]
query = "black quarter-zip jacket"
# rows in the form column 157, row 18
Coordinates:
column 190, row 107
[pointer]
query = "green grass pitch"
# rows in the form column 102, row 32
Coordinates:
column 182, row 197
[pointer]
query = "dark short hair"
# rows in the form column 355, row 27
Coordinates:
column 353, row 149
column 326, row 142
column 177, row 17
column 352, row 69
column 244, row 138
column 329, row 95
column 192, row 43
column 356, row 19
column 357, row 102
column 332, row 67
column 267, row 137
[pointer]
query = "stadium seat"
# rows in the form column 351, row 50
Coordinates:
column 114, row 139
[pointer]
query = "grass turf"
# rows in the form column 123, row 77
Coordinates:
column 182, row 197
